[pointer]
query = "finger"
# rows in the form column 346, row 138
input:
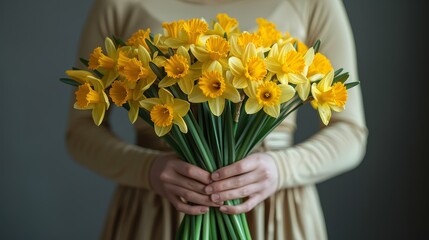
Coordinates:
column 179, row 180
column 244, row 207
column 233, row 182
column 240, row 167
column 190, row 196
column 242, row 192
column 194, row 172
column 185, row 207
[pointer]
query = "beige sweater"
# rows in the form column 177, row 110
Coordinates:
column 294, row 212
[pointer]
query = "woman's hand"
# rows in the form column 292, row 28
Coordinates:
column 255, row 177
column 181, row 183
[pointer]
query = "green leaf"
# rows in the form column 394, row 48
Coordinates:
column 170, row 51
column 153, row 49
column 352, row 84
column 84, row 61
column 295, row 45
column 70, row 81
column 341, row 78
column 159, row 72
column 338, row 71
column 316, row 46
column 118, row 41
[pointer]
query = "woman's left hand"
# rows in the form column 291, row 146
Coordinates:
column 254, row 177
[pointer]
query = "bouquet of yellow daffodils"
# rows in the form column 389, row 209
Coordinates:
column 211, row 91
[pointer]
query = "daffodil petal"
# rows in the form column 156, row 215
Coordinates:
column 215, row 67
column 326, row 81
column 167, row 81
column 148, row 103
column 186, row 85
column 273, row 65
column 134, row 111
column 165, row 96
column 337, row 108
column 324, row 113
column 174, row 42
column 309, row 56
column 231, row 93
column 217, row 105
column 283, row 78
column 181, row 123
column 109, row 78
column 273, row 111
column 315, row 92
column 200, row 53
column 303, row 90
column 98, row 113
column 161, row 131
column 252, row 106
column 144, row 55
column 287, row 92
column 236, row 66
column 197, row 96
column 181, row 107
column 79, row 75
column 240, row 82
column 249, row 52
column 96, row 83
column 297, row 78
column 110, row 47
column 182, row 51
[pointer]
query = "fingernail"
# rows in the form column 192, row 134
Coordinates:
column 215, row 197
column 209, row 189
column 223, row 209
column 215, row 176
column 204, row 210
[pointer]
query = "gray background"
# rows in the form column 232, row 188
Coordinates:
column 44, row 194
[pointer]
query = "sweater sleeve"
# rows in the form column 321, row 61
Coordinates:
column 341, row 145
column 96, row 147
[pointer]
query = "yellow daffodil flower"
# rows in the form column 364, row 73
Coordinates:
column 267, row 95
column 268, row 32
column 291, row 66
column 184, row 33
column 239, row 43
column 215, row 49
column 327, row 96
column 224, row 25
column 139, row 77
column 179, row 70
column 139, row 38
column 288, row 64
column 166, row 111
column 319, row 67
column 91, row 95
column 106, row 64
column 250, row 67
column 81, row 76
column 214, row 89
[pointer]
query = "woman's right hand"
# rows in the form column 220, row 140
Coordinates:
column 181, row 183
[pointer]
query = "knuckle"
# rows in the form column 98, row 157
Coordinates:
column 244, row 192
column 164, row 176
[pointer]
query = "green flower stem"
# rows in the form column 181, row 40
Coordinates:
column 192, row 217
column 214, row 225
column 206, row 226
column 200, row 142
column 186, row 223
column 236, row 223
column 198, row 223
column 224, row 225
